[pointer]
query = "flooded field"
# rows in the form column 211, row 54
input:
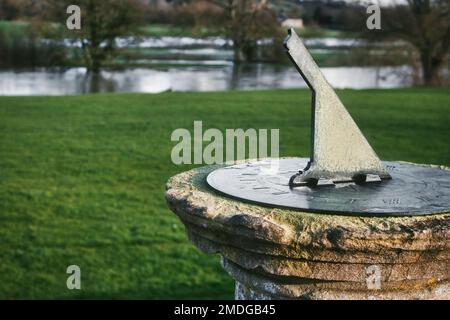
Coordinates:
column 197, row 64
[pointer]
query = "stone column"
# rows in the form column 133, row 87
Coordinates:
column 285, row 254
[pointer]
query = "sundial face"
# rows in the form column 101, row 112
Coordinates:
column 343, row 175
column 413, row 189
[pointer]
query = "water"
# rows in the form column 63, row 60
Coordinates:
column 197, row 78
column 196, row 65
column 177, row 42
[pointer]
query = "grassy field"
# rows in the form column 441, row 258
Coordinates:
column 82, row 181
column 159, row 30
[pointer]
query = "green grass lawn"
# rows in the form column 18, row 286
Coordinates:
column 82, row 181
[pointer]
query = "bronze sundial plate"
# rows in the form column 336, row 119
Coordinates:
column 413, row 189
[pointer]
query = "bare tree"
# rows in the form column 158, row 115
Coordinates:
column 246, row 22
column 425, row 24
column 102, row 23
column 18, row 9
column 9, row 10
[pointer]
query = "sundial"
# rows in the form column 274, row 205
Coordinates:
column 343, row 174
column 335, row 232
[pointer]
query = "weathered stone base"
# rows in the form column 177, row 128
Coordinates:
column 243, row 292
column 254, row 287
column 286, row 254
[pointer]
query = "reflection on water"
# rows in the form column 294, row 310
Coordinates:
column 197, row 64
column 230, row 77
column 217, row 42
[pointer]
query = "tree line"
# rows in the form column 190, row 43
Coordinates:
column 423, row 25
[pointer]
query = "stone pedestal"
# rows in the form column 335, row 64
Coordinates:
column 285, row 254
